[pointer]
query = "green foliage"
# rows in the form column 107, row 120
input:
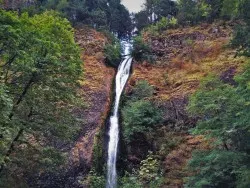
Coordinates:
column 168, row 143
column 129, row 181
column 192, row 12
column 222, row 109
column 224, row 115
column 216, row 8
column 161, row 8
column 141, row 51
column 111, row 15
column 149, row 169
column 39, row 71
column 164, row 8
column 113, row 54
column 230, row 8
column 139, row 117
column 139, row 114
column 188, row 12
column 120, row 21
column 94, row 181
column 216, row 168
column 241, row 35
column 162, row 25
column 98, row 153
column 141, row 90
column 149, row 175
column 141, row 20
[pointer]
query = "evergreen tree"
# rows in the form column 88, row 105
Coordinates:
column 153, row 11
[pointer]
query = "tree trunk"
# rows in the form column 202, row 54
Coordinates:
column 25, row 90
column 11, row 148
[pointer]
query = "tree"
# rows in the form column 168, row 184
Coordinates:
column 192, row 12
column 241, row 34
column 153, row 11
column 107, row 14
column 230, row 8
column 139, row 117
column 186, row 10
column 121, row 22
column 216, row 8
column 141, row 20
column 39, row 73
column 216, row 169
column 224, row 116
column 165, row 8
column 141, row 51
column 113, row 54
column 139, row 114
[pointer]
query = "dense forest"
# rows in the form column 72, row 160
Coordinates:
column 184, row 114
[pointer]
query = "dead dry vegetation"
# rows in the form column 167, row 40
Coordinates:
column 96, row 89
column 185, row 56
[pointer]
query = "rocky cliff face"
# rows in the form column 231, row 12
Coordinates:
column 96, row 89
column 183, row 57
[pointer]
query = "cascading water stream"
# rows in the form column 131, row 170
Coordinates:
column 121, row 79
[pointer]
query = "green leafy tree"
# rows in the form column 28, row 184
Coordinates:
column 120, row 21
column 231, row 8
column 153, row 11
column 216, row 9
column 216, row 168
column 141, row 90
column 149, row 170
column 139, row 114
column 130, row 180
column 141, row 51
column 192, row 12
column 165, row 8
column 108, row 14
column 224, row 116
column 140, row 20
column 186, row 10
column 139, row 117
column 113, row 54
column 241, row 34
column 39, row 73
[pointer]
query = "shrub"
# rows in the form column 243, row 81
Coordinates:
column 149, row 172
column 149, row 175
column 94, row 181
column 113, row 54
column 162, row 25
column 142, row 90
column 129, row 181
column 149, row 169
column 139, row 117
column 141, row 51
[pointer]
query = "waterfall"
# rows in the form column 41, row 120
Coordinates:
column 121, row 79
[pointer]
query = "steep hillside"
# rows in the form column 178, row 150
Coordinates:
column 183, row 57
column 96, row 89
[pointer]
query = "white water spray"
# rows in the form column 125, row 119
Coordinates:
column 121, row 79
